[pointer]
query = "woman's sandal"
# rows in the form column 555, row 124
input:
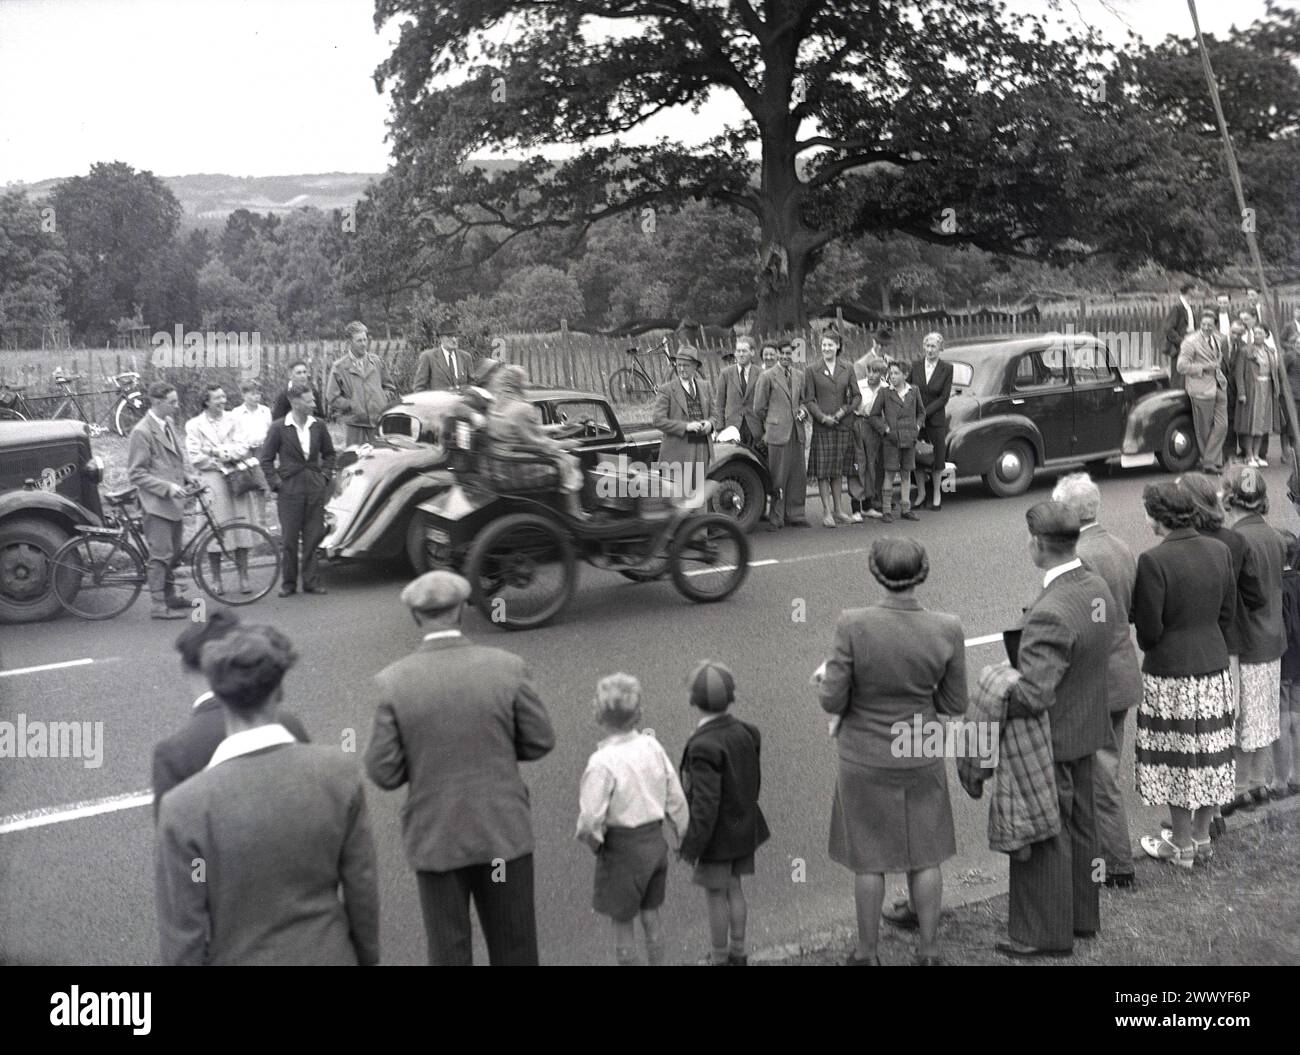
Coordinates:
column 1164, row 850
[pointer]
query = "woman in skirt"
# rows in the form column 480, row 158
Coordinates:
column 831, row 395
column 212, row 443
column 1259, row 392
column 1184, row 600
column 1263, row 638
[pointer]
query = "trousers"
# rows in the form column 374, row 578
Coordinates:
column 503, row 899
column 1210, row 420
column 163, row 539
column 789, row 481
column 302, row 521
column 1114, row 842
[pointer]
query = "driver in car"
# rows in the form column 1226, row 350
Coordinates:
column 514, row 423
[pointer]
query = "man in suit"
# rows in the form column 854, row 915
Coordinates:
column 1111, row 558
column 358, row 389
column 298, row 371
column 1200, row 362
column 736, row 397
column 265, row 857
column 932, row 377
column 1062, row 670
column 445, row 367
column 188, row 750
column 156, row 465
column 778, row 406
column 298, row 462
column 453, row 722
column 1179, row 322
column 686, row 412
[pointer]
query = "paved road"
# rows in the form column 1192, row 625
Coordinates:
column 79, row 890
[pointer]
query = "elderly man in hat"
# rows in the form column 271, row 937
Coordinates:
column 445, row 367
column 453, row 722
column 1061, row 669
column 358, row 389
column 687, row 415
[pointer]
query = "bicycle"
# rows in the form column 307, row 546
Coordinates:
column 99, row 573
column 633, row 384
column 128, row 409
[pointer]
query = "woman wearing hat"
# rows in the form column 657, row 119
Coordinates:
column 1262, row 636
column 831, row 396
column 894, row 664
column 685, row 412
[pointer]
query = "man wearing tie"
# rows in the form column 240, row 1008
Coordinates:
column 445, row 367
column 157, row 467
column 778, row 396
column 686, row 412
column 1061, row 669
column 298, row 462
column 1179, row 322
column 737, row 397
column 1200, row 362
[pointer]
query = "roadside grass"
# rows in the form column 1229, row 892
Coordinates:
column 1241, row 909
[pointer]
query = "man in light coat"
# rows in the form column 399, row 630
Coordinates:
column 1201, row 363
column 778, row 407
column 686, row 412
column 1111, row 558
column 453, row 723
column 358, row 389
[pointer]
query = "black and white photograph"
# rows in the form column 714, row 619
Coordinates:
column 746, row 483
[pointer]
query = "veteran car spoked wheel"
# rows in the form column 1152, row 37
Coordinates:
column 1178, row 449
column 709, row 558
column 522, row 570
column 1012, row 471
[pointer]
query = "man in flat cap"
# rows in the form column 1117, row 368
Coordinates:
column 1062, row 665
column 453, row 722
column 686, row 413
column 358, row 389
column 445, row 367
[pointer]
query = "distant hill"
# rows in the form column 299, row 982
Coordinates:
column 209, row 198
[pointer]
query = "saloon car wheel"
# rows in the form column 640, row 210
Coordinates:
column 1012, row 471
column 26, row 588
column 739, row 494
column 522, row 570
column 1178, row 450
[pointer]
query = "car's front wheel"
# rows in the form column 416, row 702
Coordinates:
column 1012, row 471
column 1178, row 450
column 27, row 545
column 739, row 494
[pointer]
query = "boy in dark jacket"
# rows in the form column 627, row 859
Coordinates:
column 721, row 777
column 1286, row 748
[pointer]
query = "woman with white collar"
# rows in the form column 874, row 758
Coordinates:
column 214, row 447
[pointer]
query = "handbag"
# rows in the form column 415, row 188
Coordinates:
column 243, row 476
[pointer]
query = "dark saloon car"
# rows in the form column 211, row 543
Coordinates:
column 373, row 511
column 1043, row 401
column 49, row 484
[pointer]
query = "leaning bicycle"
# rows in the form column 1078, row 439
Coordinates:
column 127, row 409
column 633, row 384
column 99, row 573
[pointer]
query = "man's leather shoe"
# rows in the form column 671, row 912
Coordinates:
column 1085, row 933
column 314, row 589
column 1018, row 951
column 161, row 611
column 288, row 591
column 178, row 600
column 1120, row 880
column 769, row 526
column 798, row 523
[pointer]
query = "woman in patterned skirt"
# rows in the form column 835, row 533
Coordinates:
column 831, row 395
column 1263, row 639
column 1184, row 599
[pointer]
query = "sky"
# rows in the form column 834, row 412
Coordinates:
column 279, row 87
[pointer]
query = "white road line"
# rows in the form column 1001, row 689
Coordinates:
column 987, row 639
column 45, row 815
column 49, row 666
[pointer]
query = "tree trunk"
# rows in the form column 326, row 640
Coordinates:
column 786, row 244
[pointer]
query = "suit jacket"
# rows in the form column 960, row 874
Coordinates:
column 282, row 408
column 1263, row 637
column 891, row 663
column 722, row 776
column 1200, row 360
column 670, row 416
column 285, row 467
column 188, row 750
column 934, row 394
column 154, row 464
column 776, row 403
column 1064, row 662
column 453, row 722
column 1176, row 326
column 737, row 401
column 431, row 371
column 1183, row 602
column 1111, row 558
column 278, row 832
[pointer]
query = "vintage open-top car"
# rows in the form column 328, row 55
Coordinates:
column 372, row 511
column 1025, row 403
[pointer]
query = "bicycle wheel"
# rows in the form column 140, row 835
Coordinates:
column 126, row 415
column 630, row 386
column 236, row 563
column 97, row 577
column 8, row 414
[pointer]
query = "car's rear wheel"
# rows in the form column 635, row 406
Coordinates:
column 1178, row 451
column 739, row 494
column 27, row 545
column 522, row 571
column 1012, row 471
